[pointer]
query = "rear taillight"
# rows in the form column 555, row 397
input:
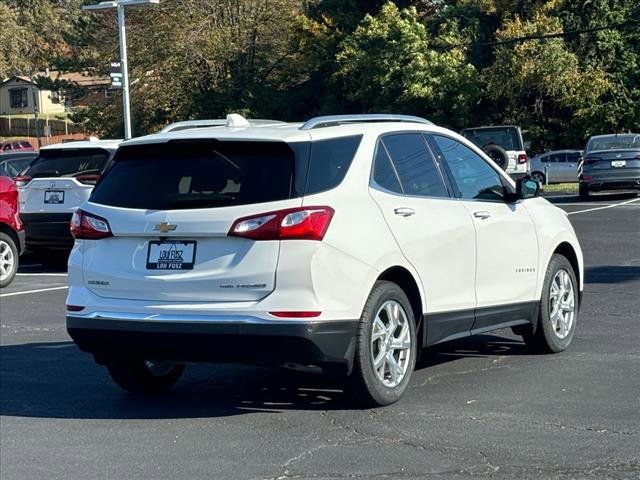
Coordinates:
column 22, row 180
column 305, row 223
column 522, row 158
column 88, row 179
column 591, row 161
column 74, row 308
column 85, row 226
column 586, row 178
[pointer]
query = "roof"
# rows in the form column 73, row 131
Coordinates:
column 19, row 77
column 187, row 124
column 106, row 144
column 287, row 132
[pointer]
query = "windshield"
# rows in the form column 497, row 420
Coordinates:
column 68, row 162
column 505, row 137
column 614, row 142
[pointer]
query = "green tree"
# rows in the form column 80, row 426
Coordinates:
column 389, row 64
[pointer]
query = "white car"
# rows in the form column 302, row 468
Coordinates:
column 347, row 243
column 55, row 183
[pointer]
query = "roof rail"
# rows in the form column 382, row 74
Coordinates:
column 333, row 120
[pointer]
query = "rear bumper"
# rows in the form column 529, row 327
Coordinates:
column 47, row 230
column 248, row 340
column 617, row 184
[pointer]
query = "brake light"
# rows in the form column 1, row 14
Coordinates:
column 88, row 179
column 586, row 178
column 22, row 180
column 85, row 226
column 304, row 223
column 295, row 314
column 522, row 158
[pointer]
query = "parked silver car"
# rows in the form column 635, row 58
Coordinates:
column 559, row 166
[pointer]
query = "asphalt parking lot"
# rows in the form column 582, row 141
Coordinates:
column 478, row 408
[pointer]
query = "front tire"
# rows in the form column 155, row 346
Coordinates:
column 144, row 376
column 386, row 347
column 8, row 259
column 558, row 311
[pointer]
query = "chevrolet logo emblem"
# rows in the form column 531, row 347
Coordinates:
column 164, row 227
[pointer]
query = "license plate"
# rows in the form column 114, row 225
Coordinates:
column 171, row 255
column 54, row 196
column 618, row 163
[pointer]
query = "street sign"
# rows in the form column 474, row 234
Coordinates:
column 115, row 72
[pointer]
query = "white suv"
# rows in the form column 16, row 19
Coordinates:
column 55, row 183
column 347, row 243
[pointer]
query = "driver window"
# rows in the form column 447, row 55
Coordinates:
column 474, row 177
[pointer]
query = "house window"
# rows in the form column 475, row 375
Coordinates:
column 18, row 97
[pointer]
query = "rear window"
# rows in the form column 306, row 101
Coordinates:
column 614, row 142
column 506, row 137
column 68, row 162
column 211, row 173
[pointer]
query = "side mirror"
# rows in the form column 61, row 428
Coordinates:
column 527, row 188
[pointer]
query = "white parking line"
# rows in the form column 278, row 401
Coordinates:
column 605, row 207
column 12, row 294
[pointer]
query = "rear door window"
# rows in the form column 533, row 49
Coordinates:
column 68, row 162
column 417, row 170
column 384, row 173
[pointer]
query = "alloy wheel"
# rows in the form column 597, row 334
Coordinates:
column 7, row 260
column 562, row 304
column 391, row 344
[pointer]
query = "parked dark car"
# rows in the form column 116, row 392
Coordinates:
column 11, row 164
column 611, row 162
column 11, row 231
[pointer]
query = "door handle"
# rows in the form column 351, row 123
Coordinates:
column 404, row 211
column 482, row 214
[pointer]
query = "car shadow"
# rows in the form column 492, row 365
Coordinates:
column 57, row 380
column 612, row 274
column 30, row 264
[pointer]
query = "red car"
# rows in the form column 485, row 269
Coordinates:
column 11, row 231
column 15, row 146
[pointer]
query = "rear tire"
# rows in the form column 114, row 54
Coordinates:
column 583, row 191
column 8, row 259
column 386, row 347
column 558, row 310
column 142, row 376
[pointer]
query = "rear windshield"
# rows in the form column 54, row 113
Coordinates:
column 210, row 173
column 506, row 137
column 12, row 168
column 614, row 142
column 68, row 162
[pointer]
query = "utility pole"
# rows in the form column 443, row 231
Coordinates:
column 35, row 108
column 122, row 35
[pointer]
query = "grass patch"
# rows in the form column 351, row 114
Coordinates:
column 560, row 188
